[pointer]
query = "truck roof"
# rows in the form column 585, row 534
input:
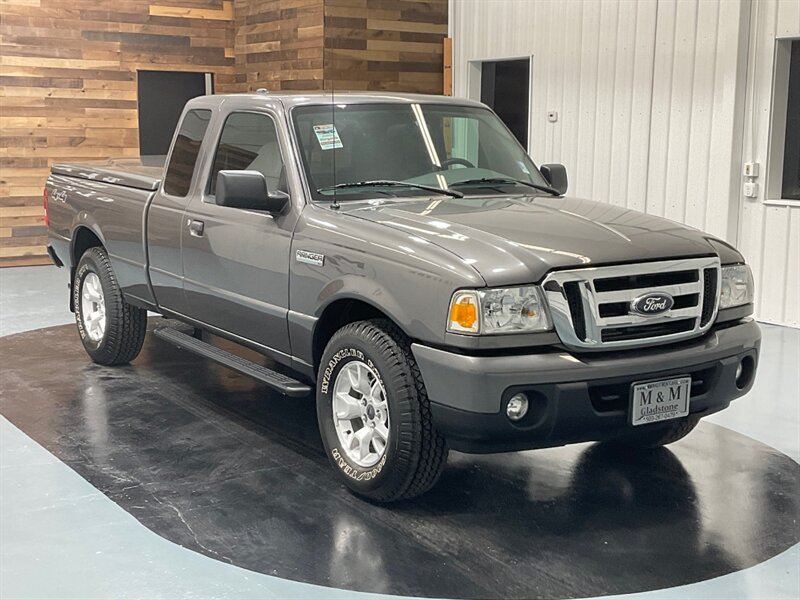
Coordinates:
column 145, row 173
column 291, row 99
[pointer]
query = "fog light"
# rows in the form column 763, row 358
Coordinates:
column 745, row 372
column 517, row 407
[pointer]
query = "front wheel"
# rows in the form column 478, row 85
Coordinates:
column 112, row 331
column 374, row 414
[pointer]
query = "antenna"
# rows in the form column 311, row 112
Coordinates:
column 335, row 203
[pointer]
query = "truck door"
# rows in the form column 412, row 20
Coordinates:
column 236, row 261
column 165, row 213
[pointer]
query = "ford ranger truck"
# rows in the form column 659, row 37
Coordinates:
column 402, row 258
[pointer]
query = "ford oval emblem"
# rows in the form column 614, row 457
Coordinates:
column 649, row 305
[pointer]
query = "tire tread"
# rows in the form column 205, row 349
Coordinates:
column 126, row 325
column 421, row 448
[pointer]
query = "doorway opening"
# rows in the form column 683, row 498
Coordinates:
column 505, row 87
column 162, row 96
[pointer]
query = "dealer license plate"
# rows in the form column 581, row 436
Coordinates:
column 660, row 400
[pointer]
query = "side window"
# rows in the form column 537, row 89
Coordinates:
column 185, row 151
column 791, row 150
column 249, row 142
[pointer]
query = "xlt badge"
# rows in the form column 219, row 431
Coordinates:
column 310, row 258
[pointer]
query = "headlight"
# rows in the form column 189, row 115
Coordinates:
column 501, row 310
column 737, row 286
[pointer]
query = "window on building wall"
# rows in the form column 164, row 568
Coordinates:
column 783, row 176
column 790, row 182
column 162, row 96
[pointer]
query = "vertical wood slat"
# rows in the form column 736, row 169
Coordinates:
column 447, row 72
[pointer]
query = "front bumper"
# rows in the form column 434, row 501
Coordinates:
column 574, row 398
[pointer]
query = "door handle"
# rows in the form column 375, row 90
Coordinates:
column 196, row 228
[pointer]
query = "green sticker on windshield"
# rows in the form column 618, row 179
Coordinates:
column 328, row 137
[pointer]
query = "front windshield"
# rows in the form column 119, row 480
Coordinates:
column 436, row 145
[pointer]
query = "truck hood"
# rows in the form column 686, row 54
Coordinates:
column 518, row 239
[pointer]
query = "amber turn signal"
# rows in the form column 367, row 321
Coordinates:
column 464, row 316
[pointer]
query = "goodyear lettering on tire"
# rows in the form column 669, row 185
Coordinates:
column 335, row 360
column 349, row 470
column 76, row 298
column 356, row 474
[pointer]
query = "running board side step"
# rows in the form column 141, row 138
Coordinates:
column 277, row 381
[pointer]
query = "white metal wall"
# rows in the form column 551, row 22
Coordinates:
column 694, row 138
column 769, row 234
column 600, row 84
column 652, row 99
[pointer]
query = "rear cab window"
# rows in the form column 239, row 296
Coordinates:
column 185, row 151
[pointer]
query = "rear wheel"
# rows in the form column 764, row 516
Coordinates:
column 112, row 331
column 374, row 414
column 655, row 436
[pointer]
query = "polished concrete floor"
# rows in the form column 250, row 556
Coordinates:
column 175, row 478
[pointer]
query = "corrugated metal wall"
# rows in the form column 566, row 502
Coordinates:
column 769, row 235
column 651, row 99
column 694, row 142
column 600, row 84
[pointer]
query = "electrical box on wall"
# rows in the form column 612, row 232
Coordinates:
column 750, row 169
column 751, row 189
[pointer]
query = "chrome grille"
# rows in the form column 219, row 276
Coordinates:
column 591, row 308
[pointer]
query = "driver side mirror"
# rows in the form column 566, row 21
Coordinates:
column 556, row 176
column 248, row 190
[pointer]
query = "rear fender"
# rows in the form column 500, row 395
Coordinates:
column 76, row 249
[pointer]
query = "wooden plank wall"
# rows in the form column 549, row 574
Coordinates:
column 393, row 45
column 68, row 89
column 341, row 44
column 279, row 44
column 68, row 73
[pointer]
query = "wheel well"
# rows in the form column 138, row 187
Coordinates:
column 83, row 239
column 337, row 315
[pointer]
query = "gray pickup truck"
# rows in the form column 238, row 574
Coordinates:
column 402, row 256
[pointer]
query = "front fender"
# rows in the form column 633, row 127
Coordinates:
column 368, row 291
column 408, row 279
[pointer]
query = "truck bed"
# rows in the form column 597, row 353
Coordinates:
column 108, row 199
column 143, row 173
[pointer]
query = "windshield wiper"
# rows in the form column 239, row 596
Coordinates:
column 389, row 182
column 501, row 180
